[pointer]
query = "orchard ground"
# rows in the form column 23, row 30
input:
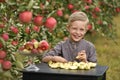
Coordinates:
column 108, row 52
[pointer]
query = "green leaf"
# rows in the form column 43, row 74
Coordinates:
column 3, row 42
column 31, row 2
column 7, row 74
column 13, row 57
column 19, row 64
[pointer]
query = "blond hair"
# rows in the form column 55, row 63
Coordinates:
column 78, row 16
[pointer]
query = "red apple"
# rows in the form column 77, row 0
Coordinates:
column 27, row 30
column 1, row 60
column 36, row 28
column 50, row 23
column 38, row 20
column 2, row 25
column 1, row 45
column 97, row 9
column 87, row 7
column 29, row 46
column 99, row 22
column 89, row 1
column 5, row 36
column 21, row 48
column 2, row 54
column 2, row 0
column 43, row 45
column 117, row 9
column 14, row 29
column 59, row 12
column 25, row 16
column 33, row 40
column 6, row 65
column 14, row 42
column 70, row 6
column 34, row 51
column 94, row 15
column 89, row 27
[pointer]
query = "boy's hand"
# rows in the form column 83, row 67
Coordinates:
column 82, row 56
column 59, row 59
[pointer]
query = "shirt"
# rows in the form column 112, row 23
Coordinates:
column 69, row 50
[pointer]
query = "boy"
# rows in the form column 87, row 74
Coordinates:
column 75, row 48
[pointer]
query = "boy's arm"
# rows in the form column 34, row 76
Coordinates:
column 53, row 55
column 92, row 55
column 54, row 58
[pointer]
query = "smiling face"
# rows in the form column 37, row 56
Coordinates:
column 77, row 30
column 77, row 23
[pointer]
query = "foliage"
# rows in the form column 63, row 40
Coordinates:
column 14, row 32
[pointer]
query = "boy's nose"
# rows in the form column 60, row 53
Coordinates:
column 78, row 32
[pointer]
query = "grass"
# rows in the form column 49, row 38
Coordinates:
column 108, row 53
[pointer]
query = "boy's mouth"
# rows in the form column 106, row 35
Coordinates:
column 76, row 36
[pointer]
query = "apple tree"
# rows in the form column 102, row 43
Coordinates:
column 25, row 20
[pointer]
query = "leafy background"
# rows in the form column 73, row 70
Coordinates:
column 102, row 29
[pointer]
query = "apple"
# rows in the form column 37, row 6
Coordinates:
column 1, row 60
column 70, row 6
column 36, row 43
column 34, row 51
column 26, row 51
column 29, row 45
column 38, row 20
column 36, row 28
column 66, row 16
column 97, row 9
column 117, row 9
column 43, row 45
column 6, row 65
column 89, row 26
column 2, row 1
column 33, row 40
column 2, row 54
column 5, row 36
column 21, row 48
column 59, row 12
column 88, row 1
column 14, row 29
column 27, row 30
column 87, row 66
column 2, row 25
column 50, row 23
column 1, row 45
column 25, row 16
column 14, row 42
column 87, row 7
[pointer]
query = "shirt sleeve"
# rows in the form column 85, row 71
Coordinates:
column 55, row 51
column 92, row 54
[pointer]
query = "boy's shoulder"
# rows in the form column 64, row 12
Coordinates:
column 63, row 42
column 87, row 42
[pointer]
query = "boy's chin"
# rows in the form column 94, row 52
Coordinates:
column 76, row 40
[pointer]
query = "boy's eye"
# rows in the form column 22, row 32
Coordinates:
column 74, row 28
column 81, row 29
